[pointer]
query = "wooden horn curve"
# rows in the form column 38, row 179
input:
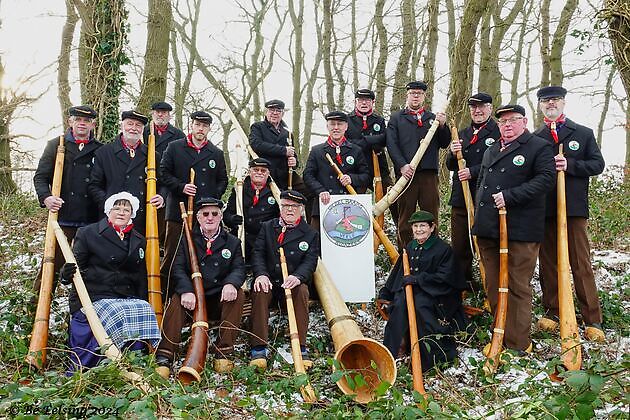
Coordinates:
column 416, row 360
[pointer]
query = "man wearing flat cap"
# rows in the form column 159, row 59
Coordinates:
column 516, row 173
column 194, row 152
column 473, row 142
column 121, row 166
column 223, row 272
column 301, row 249
column 580, row 160
column 259, row 205
column 404, row 131
column 75, row 207
column 319, row 175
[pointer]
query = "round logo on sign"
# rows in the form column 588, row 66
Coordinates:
column 271, row 200
column 518, row 160
column 141, row 253
column 303, row 246
column 226, row 253
column 346, row 223
column 489, row 141
column 350, row 160
column 574, row 145
column 377, row 127
column 212, row 163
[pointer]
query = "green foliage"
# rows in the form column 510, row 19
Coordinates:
column 609, row 198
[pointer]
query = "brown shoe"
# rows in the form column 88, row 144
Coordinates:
column 223, row 365
column 547, row 324
column 595, row 333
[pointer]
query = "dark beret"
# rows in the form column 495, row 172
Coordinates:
column 202, row 116
column 260, row 163
column 82, row 111
column 293, row 196
column 162, row 106
column 274, row 103
column 417, row 85
column 509, row 108
column 480, row 98
column 208, row 201
column 421, row 216
column 337, row 116
column 364, row 93
column 551, row 92
column 134, row 115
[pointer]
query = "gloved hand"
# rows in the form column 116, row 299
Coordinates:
column 409, row 280
column 67, row 273
column 237, row 220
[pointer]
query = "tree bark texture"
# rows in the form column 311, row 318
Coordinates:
column 63, row 84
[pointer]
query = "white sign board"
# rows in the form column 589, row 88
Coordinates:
column 347, row 245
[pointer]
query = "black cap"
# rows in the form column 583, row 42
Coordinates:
column 509, row 108
column 421, row 216
column 82, row 111
column 161, row 106
column 417, row 85
column 134, row 115
column 365, row 93
column 202, row 116
column 480, row 98
column 208, row 201
column 551, row 92
column 274, row 103
column 336, row 116
column 293, row 196
column 259, row 163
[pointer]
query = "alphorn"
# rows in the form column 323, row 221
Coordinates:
column 36, row 356
column 569, row 335
column 500, row 314
column 354, row 352
column 290, row 179
column 378, row 194
column 191, row 199
column 416, row 361
column 398, row 188
column 389, row 247
column 104, row 341
column 198, row 346
column 307, row 391
column 153, row 242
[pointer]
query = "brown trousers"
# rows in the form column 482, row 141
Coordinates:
column 175, row 317
column 260, row 312
column 580, row 262
column 460, row 241
column 173, row 234
column 521, row 265
column 70, row 233
column 422, row 191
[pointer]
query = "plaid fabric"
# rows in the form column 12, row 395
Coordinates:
column 127, row 320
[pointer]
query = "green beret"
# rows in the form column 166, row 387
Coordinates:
column 421, row 216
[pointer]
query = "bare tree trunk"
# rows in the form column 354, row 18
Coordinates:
column 153, row 87
column 297, row 19
column 401, row 75
column 326, row 54
column 383, row 51
column 182, row 87
column 452, row 28
column 518, row 56
column 429, row 59
column 354, row 47
column 559, row 40
column 606, row 105
column 545, row 36
column 64, row 61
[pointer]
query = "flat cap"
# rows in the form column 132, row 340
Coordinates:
column 202, row 116
column 421, row 216
column 365, row 93
column 82, row 111
column 336, row 116
column 417, row 85
column 274, row 103
column 480, row 98
column 293, row 196
column 134, row 115
column 259, row 163
column 208, row 201
column 551, row 92
column 161, row 106
column 509, row 108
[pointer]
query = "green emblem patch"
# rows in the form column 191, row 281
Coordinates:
column 212, row 163
column 350, row 160
column 141, row 253
column 226, row 253
column 518, row 160
column 377, row 127
column 271, row 200
column 574, row 145
column 303, row 246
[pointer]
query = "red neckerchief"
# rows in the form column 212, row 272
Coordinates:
column 364, row 117
column 160, row 129
column 337, row 148
column 257, row 191
column 286, row 226
column 80, row 142
column 121, row 232
column 555, row 125
column 210, row 240
column 191, row 144
column 476, row 131
column 417, row 113
column 130, row 149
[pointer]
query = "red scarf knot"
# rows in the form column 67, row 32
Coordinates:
column 192, row 145
column 286, row 226
column 418, row 114
column 364, row 117
column 131, row 150
column 476, row 131
column 210, row 240
column 160, row 129
column 121, row 231
column 337, row 148
column 554, row 125
column 281, row 236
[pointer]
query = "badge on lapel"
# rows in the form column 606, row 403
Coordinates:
column 303, row 246
column 350, row 160
column 212, row 164
column 141, row 253
column 574, row 145
column 225, row 253
column 271, row 200
column 377, row 127
column 518, row 160
column 489, row 141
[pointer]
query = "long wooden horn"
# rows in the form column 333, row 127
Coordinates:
column 307, row 391
column 353, row 351
column 492, row 361
column 198, row 347
column 378, row 194
column 191, row 199
column 389, row 247
column 290, row 179
column 569, row 335
column 416, row 361
column 36, row 356
column 395, row 191
column 153, row 242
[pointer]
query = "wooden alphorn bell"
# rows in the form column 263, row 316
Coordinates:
column 389, row 247
column 416, row 361
column 191, row 199
column 36, row 356
column 307, row 391
column 378, row 195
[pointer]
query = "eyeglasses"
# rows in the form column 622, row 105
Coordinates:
column 410, row 93
column 290, row 206
column 259, row 170
column 124, row 210
column 547, row 100
column 275, row 110
column 509, row 120
column 214, row 213
column 480, row 106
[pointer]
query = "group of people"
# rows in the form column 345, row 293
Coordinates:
column 506, row 167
